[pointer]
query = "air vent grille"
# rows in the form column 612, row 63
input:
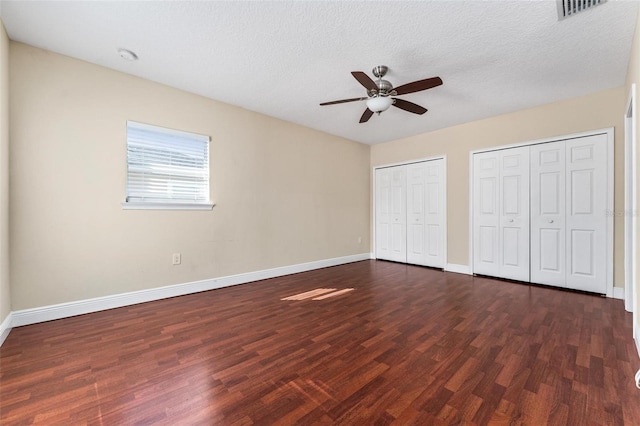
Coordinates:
column 568, row 8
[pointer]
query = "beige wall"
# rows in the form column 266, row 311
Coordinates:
column 596, row 111
column 633, row 76
column 5, row 291
column 284, row 194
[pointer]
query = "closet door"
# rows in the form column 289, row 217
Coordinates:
column 548, row 225
column 514, row 214
column 486, row 215
column 391, row 214
column 391, row 219
column 383, row 213
column 566, row 229
column 425, row 213
column 410, row 213
column 586, row 197
column 399, row 214
column 416, row 226
column 501, row 213
column 435, row 213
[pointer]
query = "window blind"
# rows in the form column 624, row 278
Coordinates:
column 166, row 166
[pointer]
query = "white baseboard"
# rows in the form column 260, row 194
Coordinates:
column 618, row 293
column 458, row 269
column 69, row 309
column 5, row 327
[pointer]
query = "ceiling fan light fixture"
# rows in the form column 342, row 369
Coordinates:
column 379, row 103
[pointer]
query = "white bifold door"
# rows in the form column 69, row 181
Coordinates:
column 391, row 214
column 568, row 213
column 540, row 213
column 501, row 213
column 410, row 213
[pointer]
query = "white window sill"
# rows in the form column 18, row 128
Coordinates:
column 165, row 206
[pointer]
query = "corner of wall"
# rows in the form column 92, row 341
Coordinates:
column 5, row 290
column 5, row 327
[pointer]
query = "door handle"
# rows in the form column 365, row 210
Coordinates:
column 510, row 220
column 550, row 220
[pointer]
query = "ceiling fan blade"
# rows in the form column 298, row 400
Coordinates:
column 409, row 106
column 419, row 85
column 342, row 101
column 365, row 80
column 366, row 115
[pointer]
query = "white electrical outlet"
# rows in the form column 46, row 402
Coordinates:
column 177, row 258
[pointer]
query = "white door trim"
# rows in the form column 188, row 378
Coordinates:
column 373, row 200
column 445, row 221
column 610, row 190
column 630, row 207
column 610, row 206
column 608, row 131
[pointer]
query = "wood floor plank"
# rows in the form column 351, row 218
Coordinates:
column 408, row 345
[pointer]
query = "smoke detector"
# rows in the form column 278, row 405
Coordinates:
column 127, row 55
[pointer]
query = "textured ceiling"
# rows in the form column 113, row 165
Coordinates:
column 284, row 58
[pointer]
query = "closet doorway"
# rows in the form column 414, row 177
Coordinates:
column 542, row 212
column 410, row 212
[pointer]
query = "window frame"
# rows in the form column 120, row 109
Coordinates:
column 167, row 205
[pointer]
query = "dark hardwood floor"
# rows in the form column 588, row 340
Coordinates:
column 408, row 345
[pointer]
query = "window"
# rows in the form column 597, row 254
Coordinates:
column 166, row 169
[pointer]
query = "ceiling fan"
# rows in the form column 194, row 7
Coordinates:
column 380, row 93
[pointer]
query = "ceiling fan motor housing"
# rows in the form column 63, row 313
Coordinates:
column 380, row 71
column 384, row 87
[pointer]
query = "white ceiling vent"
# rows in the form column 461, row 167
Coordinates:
column 568, row 8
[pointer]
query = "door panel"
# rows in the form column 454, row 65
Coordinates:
column 383, row 214
column 582, row 192
column 550, row 200
column 434, row 241
column 398, row 214
column 511, row 237
column 435, row 213
column 548, row 265
column 425, row 213
column 488, row 246
column 390, row 215
column 514, row 213
column 512, row 197
column 416, row 232
column 486, row 217
column 489, row 195
column 551, row 258
column 586, row 197
column 434, row 190
column 582, row 252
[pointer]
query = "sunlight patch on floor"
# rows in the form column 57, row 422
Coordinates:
column 318, row 294
column 309, row 294
column 335, row 293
